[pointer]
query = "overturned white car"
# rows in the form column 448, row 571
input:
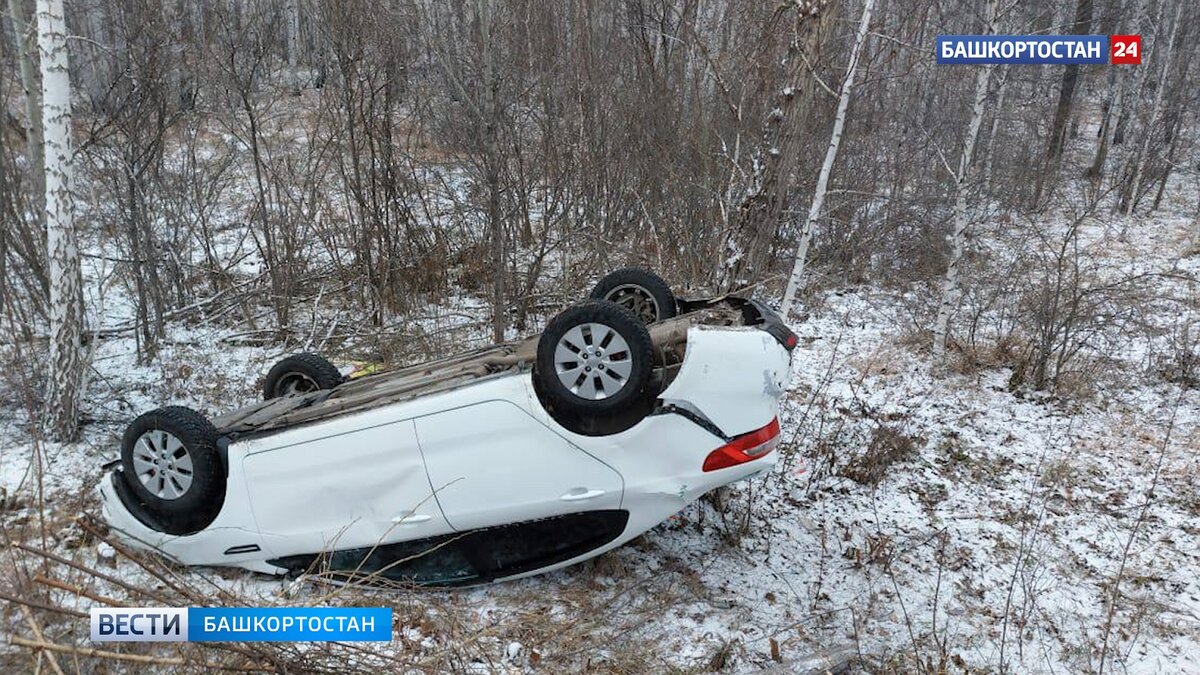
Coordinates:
column 503, row 462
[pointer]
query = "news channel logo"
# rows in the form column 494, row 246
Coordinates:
column 1039, row 49
column 241, row 624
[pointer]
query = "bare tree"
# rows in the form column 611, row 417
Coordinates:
column 26, row 45
column 66, row 299
column 835, row 140
column 1194, row 248
column 1129, row 195
column 292, row 11
column 1066, row 97
column 950, row 285
column 770, row 179
column 1118, row 80
column 475, row 82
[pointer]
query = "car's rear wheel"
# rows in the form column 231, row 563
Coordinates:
column 640, row 291
column 593, row 359
column 300, row 374
column 169, row 459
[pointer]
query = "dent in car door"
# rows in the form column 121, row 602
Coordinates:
column 492, row 463
column 356, row 489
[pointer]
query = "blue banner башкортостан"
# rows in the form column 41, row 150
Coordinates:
column 992, row 49
column 241, row 624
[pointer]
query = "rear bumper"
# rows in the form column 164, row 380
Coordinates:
column 732, row 376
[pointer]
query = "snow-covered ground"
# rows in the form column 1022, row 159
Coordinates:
column 918, row 522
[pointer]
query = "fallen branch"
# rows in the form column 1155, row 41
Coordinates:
column 132, row 658
column 37, row 632
column 75, row 590
column 39, row 605
column 94, row 572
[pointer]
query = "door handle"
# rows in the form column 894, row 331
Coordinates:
column 574, row 496
column 411, row 520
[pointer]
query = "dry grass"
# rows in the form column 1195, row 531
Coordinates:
column 888, row 446
column 601, row 620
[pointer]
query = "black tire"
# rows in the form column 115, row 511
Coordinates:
column 300, row 373
column 640, row 291
column 637, row 359
column 185, row 505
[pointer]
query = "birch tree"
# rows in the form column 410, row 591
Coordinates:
column 66, row 299
column 997, row 117
column 1117, row 82
column 475, row 78
column 292, row 10
column 1066, row 93
column 23, row 32
column 1194, row 248
column 1132, row 92
column 951, row 290
column 1130, row 196
column 835, row 140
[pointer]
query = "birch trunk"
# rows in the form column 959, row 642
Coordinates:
column 835, row 140
column 1130, row 95
column 293, row 43
column 1140, row 165
column 1117, row 83
column 491, row 109
column 1062, row 111
column 66, row 299
column 23, row 32
column 1066, row 93
column 951, row 290
column 1195, row 247
column 989, row 162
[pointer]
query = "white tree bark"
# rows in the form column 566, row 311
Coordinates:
column 835, row 139
column 1195, row 246
column 996, row 117
column 23, row 31
column 491, row 107
column 951, row 289
column 1155, row 111
column 1130, row 94
column 1118, row 81
column 66, row 299
column 292, row 8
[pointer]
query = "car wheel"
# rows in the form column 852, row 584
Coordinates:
column 169, row 459
column 300, row 374
column 640, row 291
column 593, row 358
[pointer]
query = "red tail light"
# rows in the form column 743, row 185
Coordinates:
column 744, row 448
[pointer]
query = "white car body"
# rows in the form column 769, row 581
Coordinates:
column 480, row 456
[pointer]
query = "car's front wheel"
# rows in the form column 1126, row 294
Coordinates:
column 169, row 459
column 594, row 359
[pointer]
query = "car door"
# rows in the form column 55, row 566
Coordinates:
column 348, row 490
column 492, row 463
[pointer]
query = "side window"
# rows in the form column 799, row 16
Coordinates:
column 522, row 547
column 434, row 561
column 471, row 557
